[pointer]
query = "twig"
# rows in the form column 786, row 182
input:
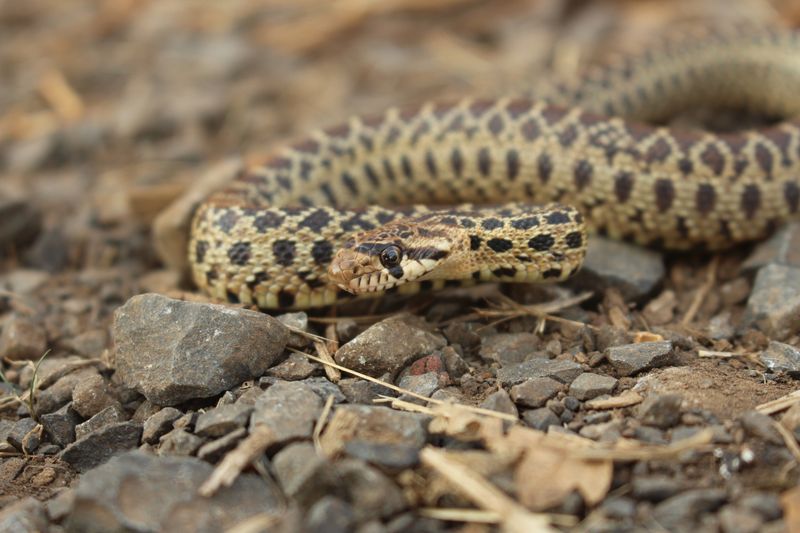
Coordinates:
column 649, row 452
column 477, row 410
column 482, row 493
column 232, row 464
column 784, row 402
column 509, row 309
column 702, row 292
column 320, row 425
column 789, row 440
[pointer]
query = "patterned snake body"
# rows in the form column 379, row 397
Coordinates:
column 296, row 231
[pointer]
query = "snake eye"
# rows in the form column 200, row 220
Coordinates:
column 390, row 256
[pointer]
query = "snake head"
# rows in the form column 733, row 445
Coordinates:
column 393, row 255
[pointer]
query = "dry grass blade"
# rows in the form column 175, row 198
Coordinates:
column 784, row 402
column 728, row 355
column 321, row 421
column 478, row 410
column 626, row 399
column 700, row 296
column 237, row 460
column 513, row 517
column 255, row 524
column 789, row 440
column 647, row 452
column 508, row 309
column 474, row 516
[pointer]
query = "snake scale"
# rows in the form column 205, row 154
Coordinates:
column 337, row 213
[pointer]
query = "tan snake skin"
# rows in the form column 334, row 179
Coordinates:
column 269, row 238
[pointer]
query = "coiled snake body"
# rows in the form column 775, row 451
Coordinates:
column 322, row 216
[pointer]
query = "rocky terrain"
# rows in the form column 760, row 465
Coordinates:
column 653, row 392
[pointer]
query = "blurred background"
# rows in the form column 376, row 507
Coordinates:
column 110, row 109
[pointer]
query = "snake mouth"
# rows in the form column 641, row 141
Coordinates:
column 359, row 273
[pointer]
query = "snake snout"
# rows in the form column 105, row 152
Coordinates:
column 347, row 266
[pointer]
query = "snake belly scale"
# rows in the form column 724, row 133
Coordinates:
column 320, row 220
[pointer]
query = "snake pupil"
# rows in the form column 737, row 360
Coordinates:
column 390, row 256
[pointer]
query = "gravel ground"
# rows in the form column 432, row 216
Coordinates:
column 653, row 392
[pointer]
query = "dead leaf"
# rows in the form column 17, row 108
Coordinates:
column 546, row 475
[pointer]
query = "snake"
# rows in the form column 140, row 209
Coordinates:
column 505, row 189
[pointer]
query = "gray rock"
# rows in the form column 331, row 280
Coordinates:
column 423, row 384
column 535, row 392
column 179, row 442
column 50, row 251
column 330, row 515
column 297, row 467
column 541, row 418
column 631, row 359
column 89, row 343
column 20, row 434
column 760, row 426
column 36, row 152
column 214, row 450
column 6, row 426
column 296, row 321
column 22, row 338
column 290, row 409
column 159, row 424
column 619, row 507
column 783, row 248
column 774, row 303
column 223, row 419
column 684, row 432
column 501, row 402
column 172, row 351
column 20, row 221
column 375, row 424
column 372, row 493
column 23, row 281
column 23, row 516
column 589, row 385
column 98, row 447
column 307, row 477
column 654, row 488
column 60, row 393
column 325, row 388
column 389, row 345
column 766, row 504
column 679, row 512
column 60, row 425
column 359, row 391
column 92, row 395
column 650, row 435
column 660, row 410
column 510, row 348
column 454, row 363
column 294, row 367
column 780, row 357
column 141, row 492
column 720, row 326
column 734, row 519
column 396, row 456
column 633, row 270
column 59, row 506
column 463, row 334
column 106, row 417
column 559, row 369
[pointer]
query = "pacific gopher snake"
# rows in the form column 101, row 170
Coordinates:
column 269, row 238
